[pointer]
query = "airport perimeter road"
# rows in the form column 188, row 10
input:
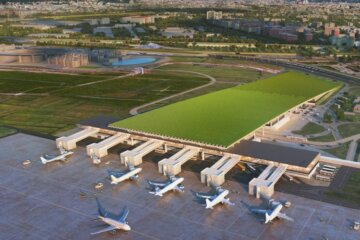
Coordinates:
column 351, row 154
column 135, row 111
column 307, row 68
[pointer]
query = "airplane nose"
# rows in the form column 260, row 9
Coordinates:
column 127, row 228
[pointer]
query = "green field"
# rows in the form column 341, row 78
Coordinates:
column 349, row 129
column 310, row 128
column 4, row 131
column 51, row 103
column 223, row 117
column 350, row 192
column 340, row 151
column 326, row 138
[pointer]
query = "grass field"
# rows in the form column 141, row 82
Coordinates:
column 223, row 117
column 326, row 138
column 347, row 130
column 354, row 91
column 340, row 151
column 50, row 103
column 4, row 131
column 310, row 128
column 351, row 190
column 221, row 73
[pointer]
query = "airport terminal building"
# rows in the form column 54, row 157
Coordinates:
column 221, row 124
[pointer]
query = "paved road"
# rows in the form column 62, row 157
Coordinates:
column 336, row 142
column 135, row 110
column 352, row 151
column 307, row 68
column 131, row 74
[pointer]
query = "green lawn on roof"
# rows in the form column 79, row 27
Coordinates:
column 222, row 118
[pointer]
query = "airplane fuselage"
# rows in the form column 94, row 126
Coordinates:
column 273, row 214
column 128, row 175
column 170, row 186
column 116, row 224
column 210, row 203
column 61, row 157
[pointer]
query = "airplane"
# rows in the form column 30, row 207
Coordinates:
column 132, row 173
column 274, row 211
column 115, row 222
column 51, row 158
column 160, row 188
column 216, row 196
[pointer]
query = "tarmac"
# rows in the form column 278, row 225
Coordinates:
column 56, row 201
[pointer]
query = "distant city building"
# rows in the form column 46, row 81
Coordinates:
column 92, row 22
column 329, row 28
column 49, row 35
column 104, row 21
column 178, row 32
column 342, row 41
column 138, row 19
column 72, row 30
column 316, row 25
column 302, row 1
column 214, row 15
column 35, row 26
column 357, row 108
column 71, row 60
column 106, row 30
column 308, row 36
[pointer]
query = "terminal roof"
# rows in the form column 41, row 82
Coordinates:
column 275, row 153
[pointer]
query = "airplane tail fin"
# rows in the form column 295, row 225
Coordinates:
column 156, row 193
column 101, row 209
column 208, row 204
column 43, row 160
column 113, row 179
column 267, row 218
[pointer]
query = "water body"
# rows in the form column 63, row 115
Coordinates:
column 134, row 61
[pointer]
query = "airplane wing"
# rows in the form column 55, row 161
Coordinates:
column 204, row 195
column 156, row 183
column 228, row 202
column 101, row 210
column 259, row 211
column 115, row 173
column 109, row 228
column 284, row 216
column 124, row 214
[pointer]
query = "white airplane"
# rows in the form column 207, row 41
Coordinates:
column 216, row 196
column 273, row 212
column 51, row 158
column 132, row 173
column 160, row 188
column 115, row 222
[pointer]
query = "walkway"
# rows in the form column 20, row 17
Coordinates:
column 135, row 111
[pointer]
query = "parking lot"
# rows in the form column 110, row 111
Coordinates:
column 56, row 201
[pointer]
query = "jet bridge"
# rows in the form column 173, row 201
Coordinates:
column 134, row 156
column 69, row 142
column 173, row 164
column 264, row 184
column 99, row 150
column 216, row 173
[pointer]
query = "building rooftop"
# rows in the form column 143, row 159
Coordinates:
column 222, row 118
column 275, row 153
column 101, row 121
